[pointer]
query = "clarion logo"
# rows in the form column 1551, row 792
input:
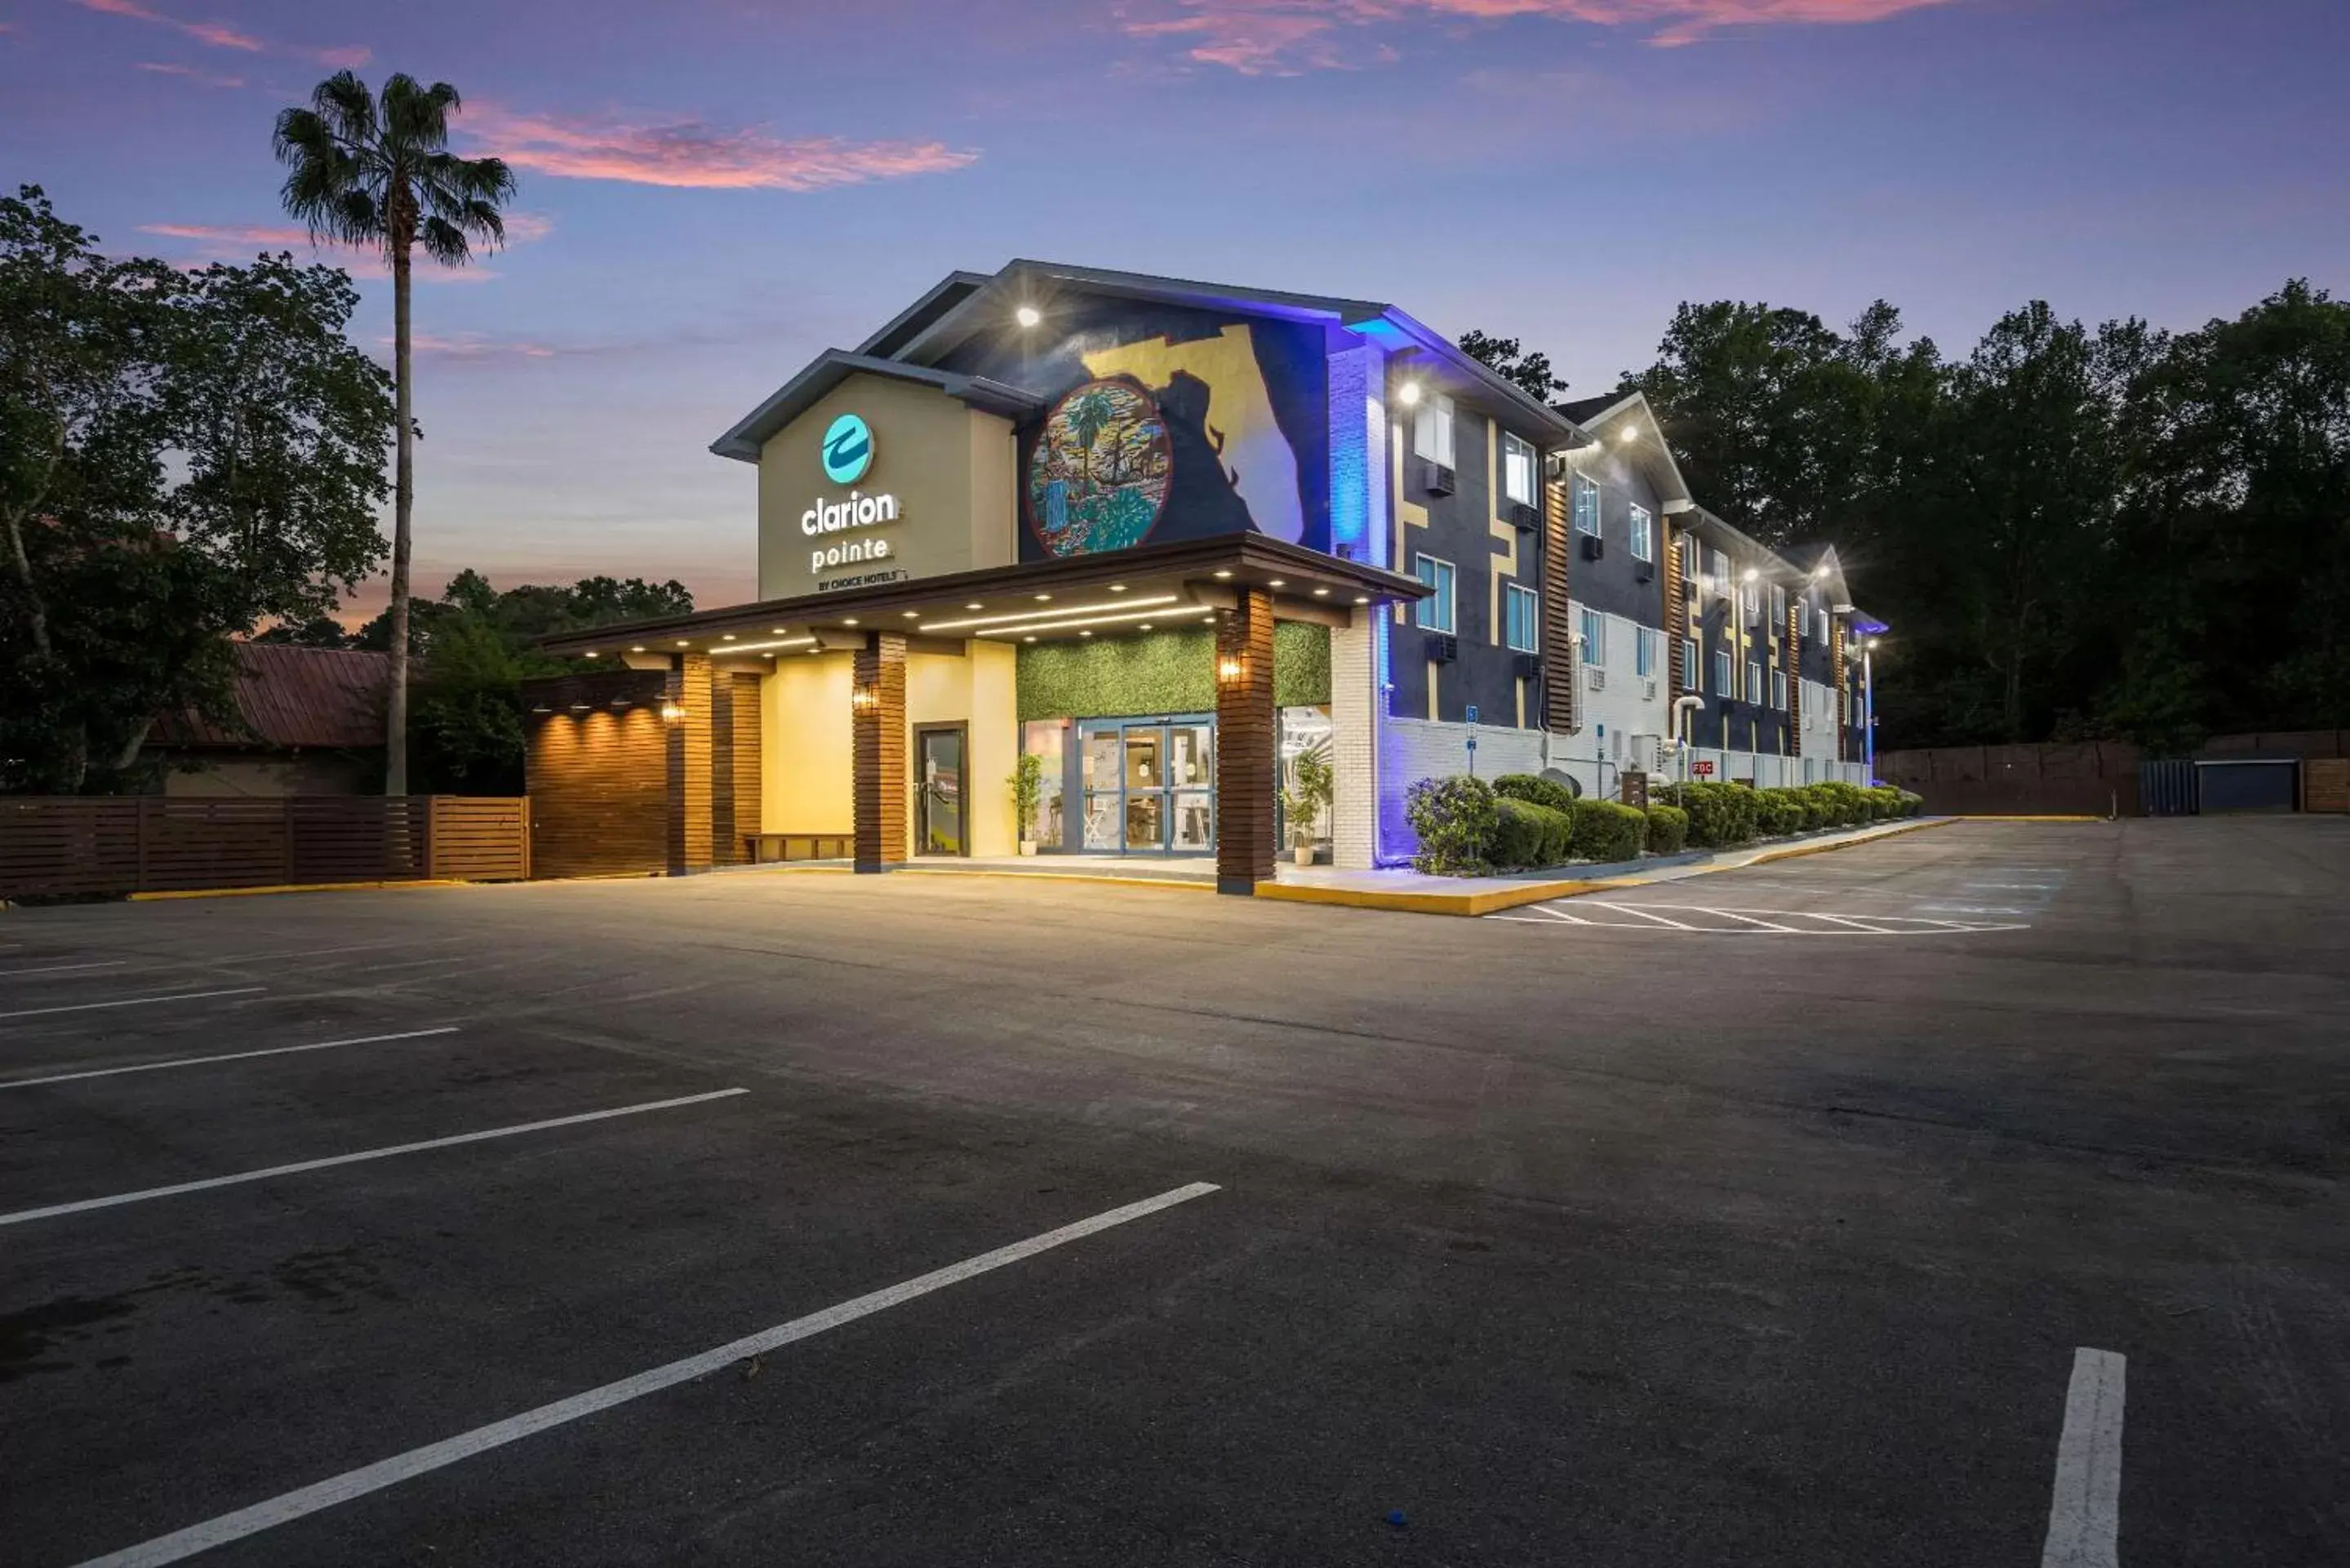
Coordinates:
column 847, row 449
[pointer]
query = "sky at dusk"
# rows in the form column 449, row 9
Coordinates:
column 714, row 190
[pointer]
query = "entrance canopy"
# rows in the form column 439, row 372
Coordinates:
column 1151, row 586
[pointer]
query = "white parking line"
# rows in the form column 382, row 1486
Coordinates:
column 22, row 1215
column 61, row 968
column 132, row 1001
column 1752, row 919
column 224, row 1056
column 1628, row 910
column 383, row 1473
column 2084, row 1516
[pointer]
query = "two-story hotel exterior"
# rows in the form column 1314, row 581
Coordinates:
column 1167, row 538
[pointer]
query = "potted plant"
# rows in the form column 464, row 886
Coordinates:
column 1027, row 782
column 1312, row 784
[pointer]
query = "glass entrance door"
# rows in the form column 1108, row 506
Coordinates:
column 1149, row 785
column 938, row 793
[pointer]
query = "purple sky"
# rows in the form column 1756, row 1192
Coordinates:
column 714, row 190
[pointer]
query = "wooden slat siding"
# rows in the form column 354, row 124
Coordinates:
column 688, row 825
column 1675, row 620
column 1246, row 742
column 725, row 845
column 880, row 742
column 773, row 846
column 1792, row 663
column 1836, row 663
column 68, row 846
column 1559, row 695
column 480, row 838
column 749, row 779
column 2325, row 783
column 598, row 780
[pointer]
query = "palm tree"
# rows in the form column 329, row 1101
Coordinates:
column 378, row 172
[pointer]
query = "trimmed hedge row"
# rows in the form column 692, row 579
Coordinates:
column 1468, row 828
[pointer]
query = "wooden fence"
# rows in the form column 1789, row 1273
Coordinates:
column 153, row 843
column 2088, row 778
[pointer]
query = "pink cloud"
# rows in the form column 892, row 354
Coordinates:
column 1281, row 37
column 471, row 346
column 699, row 157
column 221, row 36
column 202, row 78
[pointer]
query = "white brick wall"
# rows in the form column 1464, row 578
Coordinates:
column 1354, row 743
column 1416, row 749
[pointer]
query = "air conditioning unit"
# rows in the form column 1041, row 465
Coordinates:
column 1594, row 546
column 1443, row 647
column 1643, row 571
column 1530, row 665
column 1436, row 478
column 1594, row 677
column 1648, row 692
column 1520, row 516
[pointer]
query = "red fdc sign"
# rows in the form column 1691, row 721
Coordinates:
column 1703, row 769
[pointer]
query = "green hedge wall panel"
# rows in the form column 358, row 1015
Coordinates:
column 1162, row 672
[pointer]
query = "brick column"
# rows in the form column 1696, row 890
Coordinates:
column 688, row 693
column 1247, row 736
column 877, row 680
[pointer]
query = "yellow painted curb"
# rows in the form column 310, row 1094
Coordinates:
column 1508, row 898
column 292, row 888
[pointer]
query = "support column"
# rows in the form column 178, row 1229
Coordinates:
column 1247, row 738
column 1354, row 745
column 878, row 709
column 686, row 717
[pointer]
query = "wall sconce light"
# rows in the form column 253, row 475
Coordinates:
column 1231, row 669
column 864, row 698
column 671, row 712
column 619, row 702
column 1407, row 394
column 579, row 707
column 541, row 708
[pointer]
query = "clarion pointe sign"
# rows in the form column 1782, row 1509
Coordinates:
column 848, row 454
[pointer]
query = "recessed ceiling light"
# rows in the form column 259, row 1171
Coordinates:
column 1043, row 597
column 726, row 637
column 1362, row 599
column 848, row 620
column 911, row 615
column 1144, row 627
column 1117, row 587
column 636, row 648
column 1223, row 574
column 593, row 654
column 1278, row 583
column 1084, row 634
column 685, row 642
column 1321, row 593
column 1028, row 640
column 974, row 605
column 766, row 656
column 780, row 630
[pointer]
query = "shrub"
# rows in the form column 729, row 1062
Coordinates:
column 1718, row 814
column 1911, row 801
column 1779, row 811
column 1668, row 829
column 1607, row 832
column 1537, row 791
column 1845, row 804
column 1525, row 834
column 1454, row 818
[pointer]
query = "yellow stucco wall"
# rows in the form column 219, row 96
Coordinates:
column 806, row 764
column 950, row 467
column 977, row 689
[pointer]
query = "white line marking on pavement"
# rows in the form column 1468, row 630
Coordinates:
column 1751, row 919
column 61, row 968
column 2084, row 1518
column 22, row 1215
column 133, row 1002
column 1628, row 910
column 1852, row 922
column 226, row 1056
column 350, row 1484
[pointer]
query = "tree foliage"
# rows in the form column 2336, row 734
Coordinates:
column 182, row 456
column 2072, row 531
column 1507, row 358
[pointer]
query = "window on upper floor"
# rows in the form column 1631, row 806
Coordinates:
column 1823, row 625
column 1434, row 612
column 1520, row 617
column 1517, row 470
column 1753, row 692
column 1593, row 628
column 1644, row 534
column 1690, row 681
column 1778, row 606
column 1747, row 599
column 1692, row 560
column 1722, row 673
column 1431, row 428
column 1586, row 505
column 1646, row 644
column 1779, row 689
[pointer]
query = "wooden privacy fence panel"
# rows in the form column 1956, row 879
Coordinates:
column 155, row 843
column 2089, row 777
column 2325, row 783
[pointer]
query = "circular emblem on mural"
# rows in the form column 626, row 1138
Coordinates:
column 1099, row 475
column 847, row 449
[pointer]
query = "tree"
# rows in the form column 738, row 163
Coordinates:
column 1506, row 358
column 380, row 173
column 182, row 456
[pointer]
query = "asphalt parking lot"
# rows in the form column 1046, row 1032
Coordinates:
column 786, row 1217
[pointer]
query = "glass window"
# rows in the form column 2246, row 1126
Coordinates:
column 1690, row 681
column 1435, row 612
column 1779, row 689
column 1643, row 651
column 1586, row 505
column 1644, row 528
column 1432, row 430
column 1755, row 680
column 1747, row 600
column 1594, row 626
column 1721, row 667
column 1778, row 606
column 1692, row 560
column 1823, row 625
column 1043, row 739
column 1520, row 617
column 1517, row 470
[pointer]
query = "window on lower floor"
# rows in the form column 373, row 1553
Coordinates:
column 1594, row 626
column 1520, row 617
column 1753, row 692
column 1434, row 612
column 1779, row 689
column 1722, row 673
column 1645, row 649
column 1690, row 681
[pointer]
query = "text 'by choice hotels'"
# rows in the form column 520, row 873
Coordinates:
column 839, row 516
